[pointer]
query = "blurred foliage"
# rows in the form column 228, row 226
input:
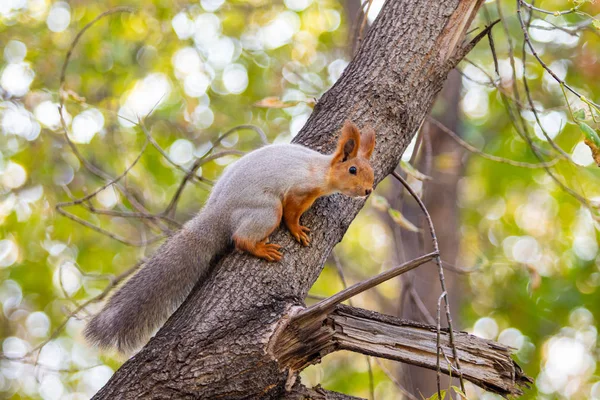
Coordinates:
column 193, row 70
column 534, row 245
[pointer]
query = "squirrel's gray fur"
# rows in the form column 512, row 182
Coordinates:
column 246, row 201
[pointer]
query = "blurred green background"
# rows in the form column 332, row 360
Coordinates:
column 522, row 253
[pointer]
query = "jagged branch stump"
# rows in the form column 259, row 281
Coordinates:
column 485, row 363
column 215, row 345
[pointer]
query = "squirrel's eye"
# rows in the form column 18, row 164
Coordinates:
column 352, row 170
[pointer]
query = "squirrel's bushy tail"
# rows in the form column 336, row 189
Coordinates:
column 148, row 298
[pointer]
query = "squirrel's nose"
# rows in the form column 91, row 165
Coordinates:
column 368, row 192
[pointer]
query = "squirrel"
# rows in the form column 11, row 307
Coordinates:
column 274, row 183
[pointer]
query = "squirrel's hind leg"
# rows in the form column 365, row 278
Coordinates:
column 253, row 229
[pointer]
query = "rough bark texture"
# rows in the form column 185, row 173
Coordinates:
column 300, row 392
column 214, row 346
column 483, row 362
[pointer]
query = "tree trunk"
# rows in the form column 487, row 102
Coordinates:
column 217, row 344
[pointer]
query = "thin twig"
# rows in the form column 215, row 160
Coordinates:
column 364, row 23
column 511, row 57
column 328, row 304
column 82, row 31
column 109, row 183
column 491, row 82
column 84, row 201
column 491, row 157
column 407, row 281
column 166, row 156
column 420, row 305
column 530, row 101
column 544, row 65
column 340, row 271
column 108, row 233
column 554, row 13
column 438, row 261
column 371, row 381
column 555, row 27
column 391, row 377
column 438, row 346
column 52, row 369
column 522, row 130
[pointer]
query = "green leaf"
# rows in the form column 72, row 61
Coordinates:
column 402, row 221
column 579, row 114
column 412, row 171
column 590, row 133
column 435, row 395
column 592, row 140
column 459, row 392
column 380, row 203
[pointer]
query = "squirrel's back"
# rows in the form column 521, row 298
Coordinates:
column 272, row 169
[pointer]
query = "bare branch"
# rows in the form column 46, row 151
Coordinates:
column 82, row 31
column 438, row 346
column 364, row 22
column 438, row 261
column 491, row 157
column 325, row 306
column 530, row 101
column 543, row 64
column 485, row 363
column 554, row 13
column 469, row 46
column 84, row 201
column 170, row 209
column 412, row 292
column 109, row 183
column 79, row 220
column 165, row 155
column 522, row 127
column 391, row 376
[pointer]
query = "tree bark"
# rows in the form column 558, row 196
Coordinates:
column 304, row 341
column 215, row 345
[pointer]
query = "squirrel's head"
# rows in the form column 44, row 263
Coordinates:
column 351, row 173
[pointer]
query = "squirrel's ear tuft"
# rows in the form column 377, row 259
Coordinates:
column 348, row 144
column 367, row 143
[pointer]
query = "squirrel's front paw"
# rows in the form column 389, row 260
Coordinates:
column 301, row 235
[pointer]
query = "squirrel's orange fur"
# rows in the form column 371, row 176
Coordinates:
column 351, row 149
